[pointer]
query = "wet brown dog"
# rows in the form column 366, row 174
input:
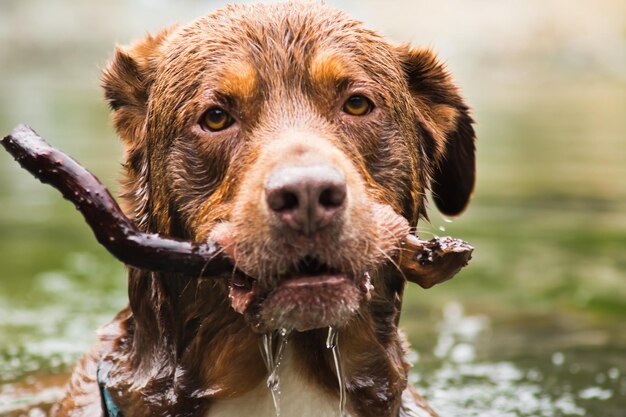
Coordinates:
column 305, row 144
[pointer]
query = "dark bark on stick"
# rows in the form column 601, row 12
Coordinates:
column 111, row 227
column 431, row 262
column 425, row 263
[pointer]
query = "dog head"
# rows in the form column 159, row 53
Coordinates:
column 302, row 142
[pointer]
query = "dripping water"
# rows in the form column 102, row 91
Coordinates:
column 332, row 343
column 272, row 349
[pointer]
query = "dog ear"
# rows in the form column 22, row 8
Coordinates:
column 127, row 80
column 449, row 140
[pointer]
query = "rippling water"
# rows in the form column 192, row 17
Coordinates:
column 482, row 366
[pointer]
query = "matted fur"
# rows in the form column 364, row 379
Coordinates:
column 283, row 71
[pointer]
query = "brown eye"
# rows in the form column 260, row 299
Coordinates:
column 358, row 105
column 216, row 119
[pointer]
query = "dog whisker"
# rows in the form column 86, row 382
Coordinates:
column 393, row 262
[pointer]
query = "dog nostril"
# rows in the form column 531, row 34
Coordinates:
column 332, row 197
column 282, row 200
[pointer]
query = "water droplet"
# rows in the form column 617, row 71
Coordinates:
column 272, row 346
column 595, row 393
column 558, row 358
column 463, row 353
column 442, row 229
column 332, row 342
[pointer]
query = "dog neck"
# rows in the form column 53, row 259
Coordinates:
column 298, row 396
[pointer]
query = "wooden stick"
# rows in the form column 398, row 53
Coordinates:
column 427, row 263
column 424, row 262
column 111, row 227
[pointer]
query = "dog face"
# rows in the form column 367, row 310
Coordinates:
column 302, row 142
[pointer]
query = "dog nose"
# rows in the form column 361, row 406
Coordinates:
column 306, row 198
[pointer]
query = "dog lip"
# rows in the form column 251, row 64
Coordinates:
column 313, row 280
column 242, row 291
column 242, row 281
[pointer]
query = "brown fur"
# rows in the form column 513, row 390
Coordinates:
column 283, row 72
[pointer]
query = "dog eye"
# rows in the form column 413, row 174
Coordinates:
column 216, row 119
column 358, row 105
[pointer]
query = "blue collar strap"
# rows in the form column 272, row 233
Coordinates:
column 109, row 408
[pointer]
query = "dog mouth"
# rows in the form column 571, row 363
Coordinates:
column 311, row 295
column 283, row 282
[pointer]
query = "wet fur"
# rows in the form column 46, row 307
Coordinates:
column 179, row 348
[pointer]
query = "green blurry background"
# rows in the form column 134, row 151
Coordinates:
column 535, row 326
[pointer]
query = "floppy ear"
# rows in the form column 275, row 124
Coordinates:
column 127, row 80
column 449, row 140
